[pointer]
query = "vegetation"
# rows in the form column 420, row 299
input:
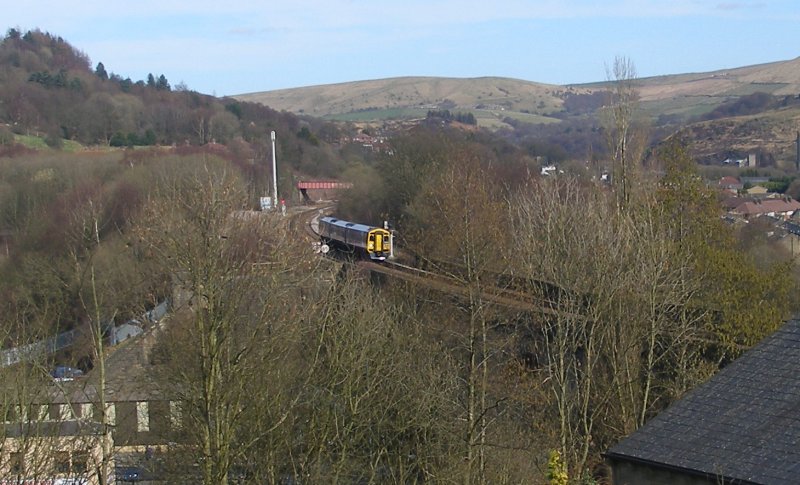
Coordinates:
column 284, row 367
column 49, row 92
column 446, row 115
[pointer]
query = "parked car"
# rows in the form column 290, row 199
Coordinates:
column 64, row 373
column 128, row 474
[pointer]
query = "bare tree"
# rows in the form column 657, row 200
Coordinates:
column 379, row 406
column 227, row 348
column 465, row 211
column 625, row 136
column 620, row 326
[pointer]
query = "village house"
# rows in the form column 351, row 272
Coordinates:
column 730, row 184
column 62, row 428
column 782, row 208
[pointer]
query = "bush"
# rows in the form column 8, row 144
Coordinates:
column 6, row 136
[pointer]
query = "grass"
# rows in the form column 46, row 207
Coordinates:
column 492, row 119
column 527, row 117
column 380, row 114
column 38, row 143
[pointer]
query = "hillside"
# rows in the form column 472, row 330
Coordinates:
column 49, row 92
column 770, row 135
column 493, row 99
column 693, row 94
column 411, row 97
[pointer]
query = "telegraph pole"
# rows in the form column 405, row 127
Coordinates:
column 274, row 174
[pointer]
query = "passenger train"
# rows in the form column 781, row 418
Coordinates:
column 355, row 238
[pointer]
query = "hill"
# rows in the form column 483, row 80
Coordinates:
column 489, row 98
column 49, row 92
column 724, row 113
column 694, row 94
column 494, row 99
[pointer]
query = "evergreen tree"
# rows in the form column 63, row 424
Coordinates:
column 100, row 71
column 162, row 84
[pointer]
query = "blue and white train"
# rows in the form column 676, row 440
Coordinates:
column 355, row 238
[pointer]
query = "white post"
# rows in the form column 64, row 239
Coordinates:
column 274, row 175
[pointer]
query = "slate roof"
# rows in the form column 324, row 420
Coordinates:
column 742, row 426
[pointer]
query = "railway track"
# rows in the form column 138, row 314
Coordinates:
column 504, row 297
column 507, row 297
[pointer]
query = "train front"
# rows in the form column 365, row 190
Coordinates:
column 379, row 243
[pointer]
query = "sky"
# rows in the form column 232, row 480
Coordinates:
column 234, row 47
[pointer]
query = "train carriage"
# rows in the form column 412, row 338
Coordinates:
column 354, row 237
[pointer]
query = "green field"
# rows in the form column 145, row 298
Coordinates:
column 492, row 119
column 380, row 115
column 38, row 143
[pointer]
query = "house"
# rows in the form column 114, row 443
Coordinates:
column 757, row 190
column 740, row 427
column 65, row 421
column 548, row 170
column 738, row 162
column 731, row 203
column 730, row 184
column 55, row 452
column 750, row 161
column 780, row 208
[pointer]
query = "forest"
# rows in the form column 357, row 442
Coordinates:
column 285, row 367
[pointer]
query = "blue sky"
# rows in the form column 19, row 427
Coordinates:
column 240, row 46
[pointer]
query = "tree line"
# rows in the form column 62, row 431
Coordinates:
column 48, row 89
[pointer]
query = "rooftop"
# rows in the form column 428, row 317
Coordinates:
column 742, row 425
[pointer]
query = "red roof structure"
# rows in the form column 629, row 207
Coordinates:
column 771, row 207
column 323, row 184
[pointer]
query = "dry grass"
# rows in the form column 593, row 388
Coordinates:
column 682, row 94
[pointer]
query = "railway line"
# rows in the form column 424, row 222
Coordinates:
column 510, row 296
column 505, row 297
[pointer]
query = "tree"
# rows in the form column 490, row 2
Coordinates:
column 747, row 303
column 230, row 343
column 625, row 137
column 100, row 71
column 379, row 405
column 615, row 285
column 162, row 84
column 465, row 211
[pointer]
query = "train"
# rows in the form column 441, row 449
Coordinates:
column 374, row 242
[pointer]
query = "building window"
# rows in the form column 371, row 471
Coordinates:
column 175, row 414
column 41, row 412
column 86, row 411
column 111, row 415
column 16, row 464
column 80, row 462
column 62, row 462
column 22, row 415
column 65, row 412
column 142, row 417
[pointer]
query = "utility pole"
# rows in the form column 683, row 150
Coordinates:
column 274, row 174
column 797, row 153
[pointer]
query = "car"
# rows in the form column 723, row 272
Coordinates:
column 64, row 373
column 129, row 474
